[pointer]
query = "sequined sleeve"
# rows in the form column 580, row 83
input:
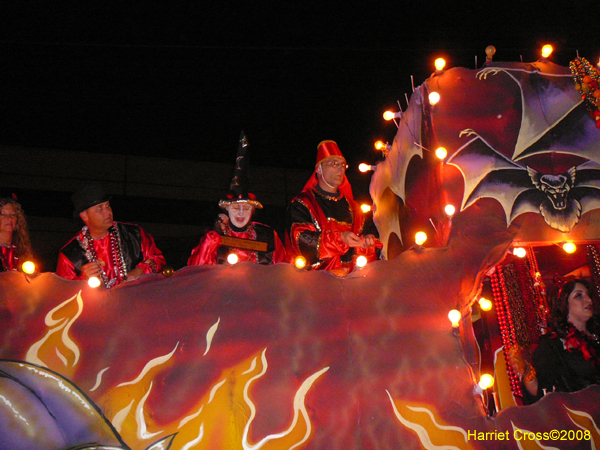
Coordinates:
column 303, row 236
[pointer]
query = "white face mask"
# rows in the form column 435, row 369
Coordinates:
column 240, row 214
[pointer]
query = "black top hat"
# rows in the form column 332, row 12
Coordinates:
column 238, row 189
column 90, row 195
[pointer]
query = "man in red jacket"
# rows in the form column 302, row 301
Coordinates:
column 324, row 223
column 114, row 252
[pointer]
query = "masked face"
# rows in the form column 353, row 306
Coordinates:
column 240, row 214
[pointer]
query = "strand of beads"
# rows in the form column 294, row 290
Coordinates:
column 529, row 317
column 117, row 253
column 515, row 304
column 593, row 258
column 505, row 324
column 587, row 82
column 539, row 291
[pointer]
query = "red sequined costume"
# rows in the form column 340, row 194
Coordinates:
column 8, row 258
column 210, row 251
column 315, row 220
column 137, row 249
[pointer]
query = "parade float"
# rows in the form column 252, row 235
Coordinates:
column 255, row 357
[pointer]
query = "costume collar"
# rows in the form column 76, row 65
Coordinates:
column 328, row 195
column 240, row 230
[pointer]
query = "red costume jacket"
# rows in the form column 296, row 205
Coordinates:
column 9, row 259
column 315, row 221
column 210, row 251
column 138, row 248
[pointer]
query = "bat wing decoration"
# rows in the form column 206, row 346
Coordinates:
column 560, row 196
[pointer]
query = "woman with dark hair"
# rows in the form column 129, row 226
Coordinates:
column 567, row 357
column 15, row 247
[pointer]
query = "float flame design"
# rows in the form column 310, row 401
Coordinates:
column 299, row 408
column 125, row 403
column 429, row 430
column 41, row 352
column 587, row 423
column 529, row 444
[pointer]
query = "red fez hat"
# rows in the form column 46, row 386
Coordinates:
column 326, row 150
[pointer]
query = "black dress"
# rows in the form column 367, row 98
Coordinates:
column 559, row 369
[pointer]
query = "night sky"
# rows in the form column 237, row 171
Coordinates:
column 181, row 79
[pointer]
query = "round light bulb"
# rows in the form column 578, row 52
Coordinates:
column 440, row 63
column 490, row 51
column 28, row 267
column 449, row 210
column 232, row 258
column 486, row 381
column 434, row 98
column 441, row 152
column 361, row 261
column 379, row 145
column 94, row 282
column 547, row 50
column 420, row 238
column 363, row 167
column 300, row 262
column 454, row 316
column 569, row 247
column 388, row 115
column 485, row 304
column 365, row 208
column 519, row 252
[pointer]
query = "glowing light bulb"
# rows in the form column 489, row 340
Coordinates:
column 389, row 115
column 420, row 238
column 547, row 50
column 441, row 152
column 569, row 247
column 94, row 282
column 363, row 167
column 232, row 258
column 454, row 315
column 365, row 208
column 490, row 51
column 28, row 267
column 440, row 63
column 450, row 210
column 300, row 262
column 434, row 98
column 519, row 252
column 486, row 381
column 485, row 304
column 361, row 261
column 379, row 145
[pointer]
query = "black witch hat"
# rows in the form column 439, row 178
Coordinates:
column 238, row 189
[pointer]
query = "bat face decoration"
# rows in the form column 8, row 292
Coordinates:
column 553, row 122
column 516, row 133
column 559, row 209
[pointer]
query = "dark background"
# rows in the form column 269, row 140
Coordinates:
column 181, row 79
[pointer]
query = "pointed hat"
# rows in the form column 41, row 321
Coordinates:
column 239, row 187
